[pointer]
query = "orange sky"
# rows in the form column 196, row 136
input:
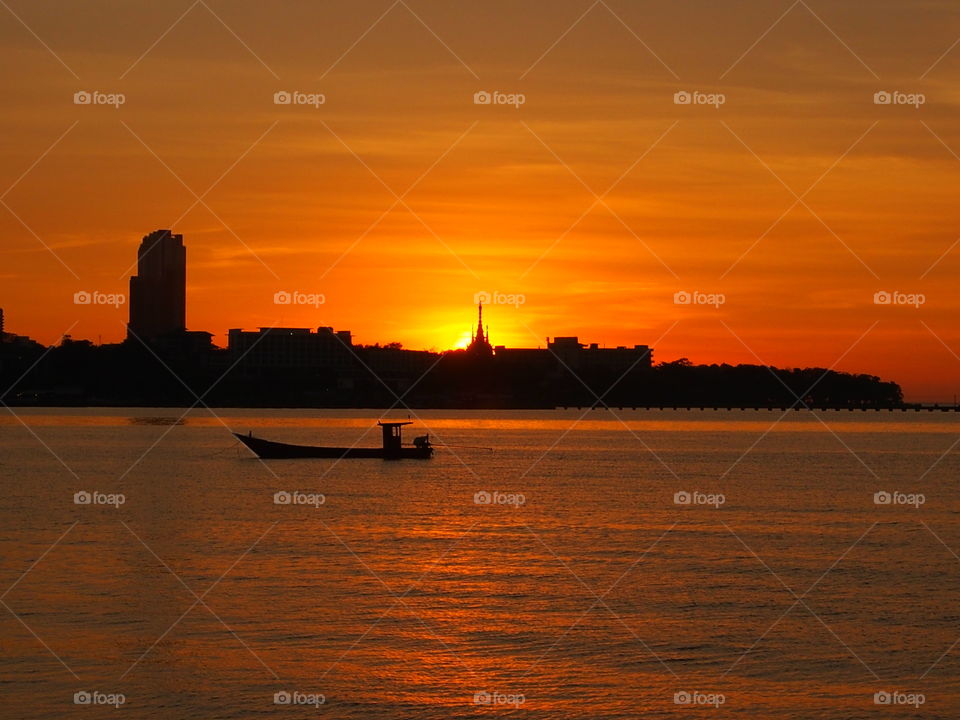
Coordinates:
column 304, row 199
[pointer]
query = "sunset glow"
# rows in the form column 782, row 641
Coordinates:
column 597, row 199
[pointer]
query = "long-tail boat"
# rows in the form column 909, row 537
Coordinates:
column 393, row 448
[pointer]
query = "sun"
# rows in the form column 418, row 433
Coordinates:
column 464, row 341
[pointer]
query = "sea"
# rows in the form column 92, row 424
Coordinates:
column 544, row 564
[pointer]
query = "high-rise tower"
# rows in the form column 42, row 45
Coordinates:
column 158, row 292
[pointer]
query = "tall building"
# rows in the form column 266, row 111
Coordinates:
column 158, row 292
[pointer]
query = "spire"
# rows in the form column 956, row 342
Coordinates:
column 479, row 336
column 481, row 342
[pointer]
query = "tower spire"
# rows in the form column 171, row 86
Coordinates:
column 481, row 342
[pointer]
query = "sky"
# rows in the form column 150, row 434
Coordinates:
column 786, row 201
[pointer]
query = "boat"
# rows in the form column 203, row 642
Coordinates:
column 393, row 448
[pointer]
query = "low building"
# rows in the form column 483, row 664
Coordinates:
column 269, row 349
column 535, row 359
column 394, row 367
column 578, row 356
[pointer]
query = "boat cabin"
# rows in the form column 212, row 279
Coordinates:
column 392, row 440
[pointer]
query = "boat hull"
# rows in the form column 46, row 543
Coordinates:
column 269, row 450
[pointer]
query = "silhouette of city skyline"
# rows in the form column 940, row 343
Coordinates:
column 157, row 316
column 161, row 362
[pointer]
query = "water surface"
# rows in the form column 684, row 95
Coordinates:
column 586, row 591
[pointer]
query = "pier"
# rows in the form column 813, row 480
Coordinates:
column 905, row 407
